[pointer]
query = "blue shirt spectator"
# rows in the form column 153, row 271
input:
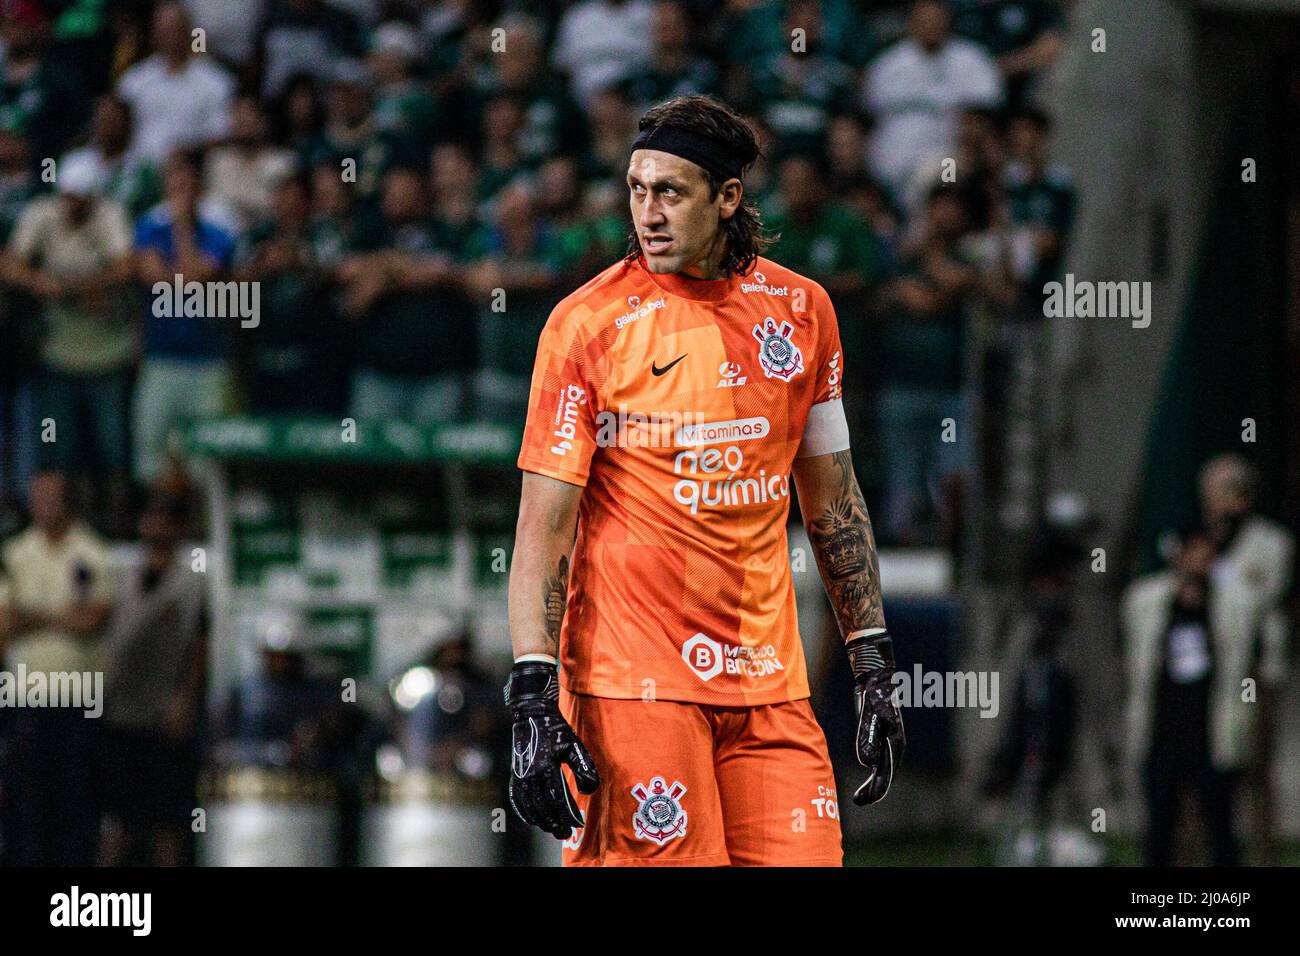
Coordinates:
column 180, row 336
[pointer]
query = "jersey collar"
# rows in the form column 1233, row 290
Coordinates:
column 687, row 287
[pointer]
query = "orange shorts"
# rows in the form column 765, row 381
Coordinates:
column 696, row 785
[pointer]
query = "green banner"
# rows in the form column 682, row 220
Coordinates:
column 327, row 441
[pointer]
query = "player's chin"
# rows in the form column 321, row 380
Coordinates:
column 662, row 262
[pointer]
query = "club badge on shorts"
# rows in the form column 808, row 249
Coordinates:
column 659, row 815
column 777, row 353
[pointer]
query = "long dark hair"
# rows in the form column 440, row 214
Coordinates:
column 743, row 233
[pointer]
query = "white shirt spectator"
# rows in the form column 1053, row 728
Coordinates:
column 53, row 576
column 246, row 182
column 917, row 98
column 231, row 26
column 79, row 339
column 599, row 43
column 182, row 108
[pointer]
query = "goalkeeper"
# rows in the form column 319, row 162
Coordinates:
column 659, row 695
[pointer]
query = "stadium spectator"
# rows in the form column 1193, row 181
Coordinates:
column 179, row 99
column 1025, row 37
column 445, row 30
column 1038, row 743
column 290, row 363
column 1260, row 554
column 415, row 329
column 243, row 173
column 797, row 91
column 231, row 27
column 818, row 234
column 585, row 234
column 846, row 147
column 48, row 98
column 154, row 690
column 921, row 362
column 19, row 330
column 82, row 43
column 186, row 369
column 675, row 67
column 454, row 179
column 552, row 122
column 299, row 116
column 59, row 596
column 287, row 714
column 752, row 30
column 341, row 226
column 601, row 42
column 612, row 123
column 305, row 36
column 1250, row 547
column 405, row 110
column 72, row 252
column 1040, row 195
column 916, row 90
column 513, row 282
column 131, row 180
column 976, row 160
column 822, row 237
column 503, row 159
column 350, row 138
column 1190, row 638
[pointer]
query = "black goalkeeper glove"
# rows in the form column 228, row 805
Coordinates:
column 880, row 739
column 541, row 740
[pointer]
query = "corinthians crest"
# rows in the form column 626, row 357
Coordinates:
column 660, row 816
column 777, row 353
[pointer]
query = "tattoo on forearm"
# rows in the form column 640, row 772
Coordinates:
column 845, row 547
column 557, row 600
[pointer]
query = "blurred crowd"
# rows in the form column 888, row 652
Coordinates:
column 1202, row 648
column 114, row 776
column 413, row 184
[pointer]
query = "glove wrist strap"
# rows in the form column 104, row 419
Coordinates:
column 874, row 653
column 532, row 680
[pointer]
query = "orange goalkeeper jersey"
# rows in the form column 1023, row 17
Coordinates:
column 680, row 405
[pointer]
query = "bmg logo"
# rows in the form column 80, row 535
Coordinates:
column 572, row 398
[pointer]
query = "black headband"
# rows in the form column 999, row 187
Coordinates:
column 703, row 151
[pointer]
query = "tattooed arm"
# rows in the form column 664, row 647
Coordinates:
column 541, row 740
column 839, row 529
column 539, row 570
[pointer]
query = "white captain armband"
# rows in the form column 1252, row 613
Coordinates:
column 826, row 431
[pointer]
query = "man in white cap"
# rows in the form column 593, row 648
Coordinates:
column 72, row 251
column 404, row 109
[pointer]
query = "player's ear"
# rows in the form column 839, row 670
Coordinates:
column 731, row 193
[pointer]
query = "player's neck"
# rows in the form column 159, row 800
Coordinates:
column 709, row 267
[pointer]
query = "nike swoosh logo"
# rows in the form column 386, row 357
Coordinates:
column 659, row 371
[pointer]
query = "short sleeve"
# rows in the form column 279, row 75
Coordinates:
column 826, row 429
column 829, row 370
column 26, row 238
column 146, row 235
column 118, row 233
column 560, row 433
column 223, row 248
